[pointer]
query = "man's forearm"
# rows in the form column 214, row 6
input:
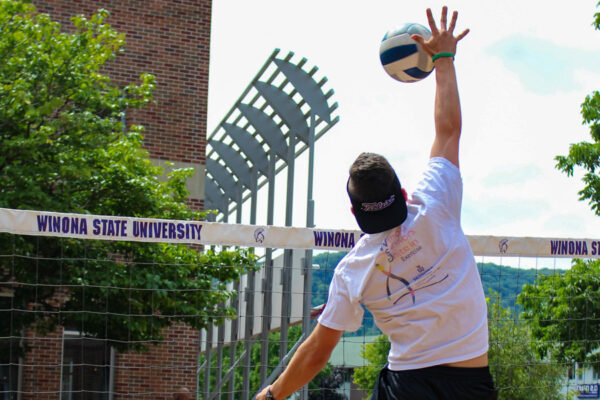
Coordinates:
column 304, row 366
column 447, row 104
column 311, row 357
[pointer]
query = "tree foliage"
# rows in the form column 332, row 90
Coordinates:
column 518, row 370
column 563, row 311
column 65, row 148
column 375, row 354
column 587, row 154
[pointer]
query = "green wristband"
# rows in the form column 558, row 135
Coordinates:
column 440, row 55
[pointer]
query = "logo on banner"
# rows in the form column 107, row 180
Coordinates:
column 259, row 235
column 503, row 246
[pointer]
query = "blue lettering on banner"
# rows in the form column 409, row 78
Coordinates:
column 330, row 238
column 569, row 247
column 113, row 227
column 344, row 240
column 166, row 230
column 595, row 248
column 156, row 229
column 58, row 224
column 334, row 239
column 96, row 225
column 109, row 227
column 587, row 391
column 140, row 229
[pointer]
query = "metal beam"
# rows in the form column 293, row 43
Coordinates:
column 307, row 87
column 266, row 128
column 222, row 177
column 234, row 161
column 250, row 146
column 286, row 108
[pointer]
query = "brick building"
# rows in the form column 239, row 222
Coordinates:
column 171, row 40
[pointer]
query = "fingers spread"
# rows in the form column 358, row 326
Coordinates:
column 442, row 39
column 432, row 25
column 444, row 18
column 462, row 35
column 453, row 21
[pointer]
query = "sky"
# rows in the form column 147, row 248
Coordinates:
column 523, row 71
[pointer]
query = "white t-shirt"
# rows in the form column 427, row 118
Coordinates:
column 419, row 280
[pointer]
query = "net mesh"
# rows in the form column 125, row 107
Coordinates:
column 84, row 316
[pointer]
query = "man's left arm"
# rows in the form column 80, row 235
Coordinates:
column 309, row 359
column 447, row 105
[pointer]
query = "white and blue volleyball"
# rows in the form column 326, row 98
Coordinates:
column 403, row 58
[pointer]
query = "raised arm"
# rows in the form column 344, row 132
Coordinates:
column 447, row 104
column 309, row 359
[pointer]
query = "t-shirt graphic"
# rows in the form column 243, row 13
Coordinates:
column 397, row 247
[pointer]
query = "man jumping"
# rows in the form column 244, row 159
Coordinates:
column 413, row 269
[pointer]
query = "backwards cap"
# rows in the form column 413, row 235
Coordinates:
column 376, row 215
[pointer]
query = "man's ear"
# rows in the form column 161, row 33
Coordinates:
column 404, row 194
column 352, row 210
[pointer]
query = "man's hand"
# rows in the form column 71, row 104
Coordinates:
column 263, row 394
column 442, row 40
column 310, row 358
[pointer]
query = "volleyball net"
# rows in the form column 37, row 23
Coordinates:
column 104, row 307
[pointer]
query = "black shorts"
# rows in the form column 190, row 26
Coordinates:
column 435, row 383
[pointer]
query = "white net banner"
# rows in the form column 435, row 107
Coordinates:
column 84, row 226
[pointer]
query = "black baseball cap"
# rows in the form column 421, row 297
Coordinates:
column 376, row 215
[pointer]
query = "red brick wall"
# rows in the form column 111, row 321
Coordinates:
column 42, row 366
column 156, row 375
column 153, row 375
column 171, row 40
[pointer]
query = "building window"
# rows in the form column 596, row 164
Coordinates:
column 9, row 369
column 86, row 368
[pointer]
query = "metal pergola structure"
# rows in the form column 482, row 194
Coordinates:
column 279, row 116
column 252, row 143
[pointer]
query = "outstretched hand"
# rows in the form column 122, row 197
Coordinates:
column 442, row 40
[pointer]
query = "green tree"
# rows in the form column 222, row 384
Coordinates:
column 64, row 148
column 518, row 370
column 375, row 354
column 587, row 154
column 563, row 311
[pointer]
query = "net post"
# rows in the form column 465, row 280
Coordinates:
column 266, row 317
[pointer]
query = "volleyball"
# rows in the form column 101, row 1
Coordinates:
column 402, row 58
